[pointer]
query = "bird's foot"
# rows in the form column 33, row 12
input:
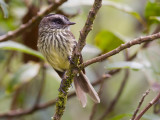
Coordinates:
column 61, row 87
column 70, row 60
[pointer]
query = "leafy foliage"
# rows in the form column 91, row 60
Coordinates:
column 10, row 45
column 107, row 40
column 152, row 11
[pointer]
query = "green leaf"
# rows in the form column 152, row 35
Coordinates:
column 152, row 9
column 125, row 64
column 124, row 8
column 10, row 45
column 119, row 117
column 24, row 74
column 155, row 18
column 107, row 40
column 3, row 5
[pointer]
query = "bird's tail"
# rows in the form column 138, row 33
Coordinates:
column 83, row 86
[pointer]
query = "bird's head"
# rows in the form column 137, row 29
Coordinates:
column 56, row 21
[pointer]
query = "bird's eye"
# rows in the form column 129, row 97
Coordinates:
column 58, row 21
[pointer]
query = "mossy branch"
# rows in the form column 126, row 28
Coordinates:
column 62, row 96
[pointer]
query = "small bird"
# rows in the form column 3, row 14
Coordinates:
column 56, row 43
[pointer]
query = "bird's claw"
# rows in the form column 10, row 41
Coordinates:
column 61, row 87
column 70, row 60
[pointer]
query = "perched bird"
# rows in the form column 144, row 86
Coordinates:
column 56, row 43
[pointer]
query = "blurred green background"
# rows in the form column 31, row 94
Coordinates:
column 117, row 22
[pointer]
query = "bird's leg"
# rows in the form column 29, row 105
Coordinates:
column 70, row 60
column 62, row 85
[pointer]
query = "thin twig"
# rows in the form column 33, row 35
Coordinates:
column 155, row 100
column 145, row 45
column 140, row 103
column 30, row 23
column 119, row 93
column 120, row 48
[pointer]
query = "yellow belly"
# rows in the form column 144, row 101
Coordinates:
column 58, row 60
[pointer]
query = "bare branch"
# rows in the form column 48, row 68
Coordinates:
column 22, row 112
column 148, row 106
column 120, row 48
column 119, row 93
column 24, row 27
column 140, row 103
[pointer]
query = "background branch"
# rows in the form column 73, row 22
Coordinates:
column 22, row 112
column 120, row 48
column 140, row 103
column 155, row 100
column 24, row 27
column 119, row 93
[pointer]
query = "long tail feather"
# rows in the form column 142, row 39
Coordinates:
column 82, row 84
column 80, row 93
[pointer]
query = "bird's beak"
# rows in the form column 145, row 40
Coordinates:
column 71, row 23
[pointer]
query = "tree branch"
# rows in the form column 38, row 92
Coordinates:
column 119, row 93
column 66, row 83
column 24, row 27
column 120, row 48
column 140, row 103
column 148, row 106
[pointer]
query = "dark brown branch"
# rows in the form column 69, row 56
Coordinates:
column 155, row 100
column 22, row 112
column 145, row 45
column 119, row 93
column 140, row 103
column 120, row 48
column 24, row 27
